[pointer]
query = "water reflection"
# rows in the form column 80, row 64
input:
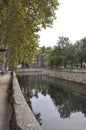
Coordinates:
column 66, row 103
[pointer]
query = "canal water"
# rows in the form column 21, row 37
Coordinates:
column 54, row 104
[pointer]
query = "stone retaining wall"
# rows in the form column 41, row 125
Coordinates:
column 78, row 77
column 25, row 119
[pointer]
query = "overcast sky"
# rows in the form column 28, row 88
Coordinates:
column 70, row 22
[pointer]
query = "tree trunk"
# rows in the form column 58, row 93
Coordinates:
column 81, row 64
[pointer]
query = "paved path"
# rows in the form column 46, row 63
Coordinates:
column 5, row 107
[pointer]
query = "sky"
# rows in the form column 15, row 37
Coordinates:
column 70, row 22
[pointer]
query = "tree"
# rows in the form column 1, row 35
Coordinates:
column 71, row 57
column 63, row 44
column 49, row 57
column 40, row 57
column 19, row 23
column 57, row 56
column 81, row 51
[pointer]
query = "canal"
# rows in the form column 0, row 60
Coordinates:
column 54, row 104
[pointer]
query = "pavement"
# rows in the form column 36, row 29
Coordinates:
column 5, row 106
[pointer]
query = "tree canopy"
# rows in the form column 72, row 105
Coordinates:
column 20, row 20
column 65, row 54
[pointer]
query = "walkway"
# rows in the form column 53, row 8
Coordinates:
column 5, row 107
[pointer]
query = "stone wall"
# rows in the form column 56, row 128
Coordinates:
column 25, row 120
column 78, row 77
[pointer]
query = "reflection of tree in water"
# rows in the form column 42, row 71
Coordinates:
column 66, row 102
column 27, row 84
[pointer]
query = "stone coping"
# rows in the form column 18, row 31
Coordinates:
column 25, row 120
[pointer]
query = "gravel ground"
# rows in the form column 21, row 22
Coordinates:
column 5, row 105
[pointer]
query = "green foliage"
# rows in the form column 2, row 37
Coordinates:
column 19, row 22
column 81, row 51
column 66, row 54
